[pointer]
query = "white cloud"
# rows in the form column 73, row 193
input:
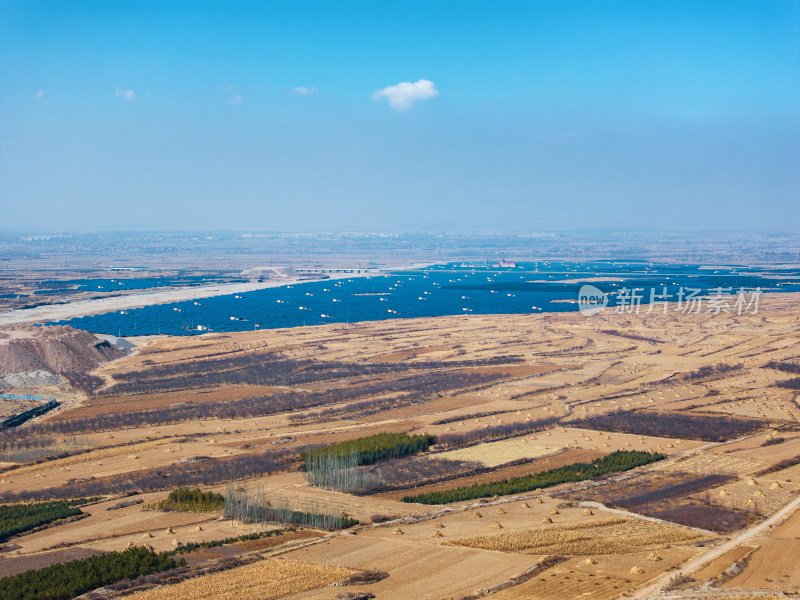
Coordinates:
column 40, row 95
column 237, row 99
column 127, row 94
column 403, row 95
column 304, row 91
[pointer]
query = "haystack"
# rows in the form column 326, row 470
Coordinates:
column 524, row 505
column 169, row 531
column 500, row 511
column 497, row 525
column 653, row 556
column 438, row 525
column 437, row 534
column 477, row 515
column 587, row 512
column 397, row 531
column 636, row 569
column 198, row 528
column 147, row 535
column 554, row 511
column 547, row 520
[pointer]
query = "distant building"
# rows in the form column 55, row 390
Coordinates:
column 507, row 264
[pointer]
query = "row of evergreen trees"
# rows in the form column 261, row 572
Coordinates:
column 369, row 450
column 191, row 500
column 615, row 462
column 18, row 518
column 71, row 579
column 336, row 467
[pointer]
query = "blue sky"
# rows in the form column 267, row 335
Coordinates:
column 400, row 116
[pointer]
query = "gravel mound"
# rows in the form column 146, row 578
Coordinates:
column 31, row 356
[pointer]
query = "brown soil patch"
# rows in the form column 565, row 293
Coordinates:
column 17, row 564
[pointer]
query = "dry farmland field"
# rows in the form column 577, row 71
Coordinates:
column 564, row 460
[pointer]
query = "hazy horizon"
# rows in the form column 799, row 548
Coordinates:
column 464, row 117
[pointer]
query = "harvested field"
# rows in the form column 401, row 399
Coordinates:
column 710, row 462
column 682, row 498
column 480, row 518
column 494, row 454
column 263, row 580
column 103, row 524
column 757, row 496
column 772, row 566
column 458, row 571
column 772, row 453
column 596, row 577
column 11, row 565
column 600, row 536
column 564, row 582
column 647, row 489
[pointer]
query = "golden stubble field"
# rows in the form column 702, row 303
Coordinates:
column 568, row 367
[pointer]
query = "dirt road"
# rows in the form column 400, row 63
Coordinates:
column 652, row 589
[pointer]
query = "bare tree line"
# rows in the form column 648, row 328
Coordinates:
column 496, row 432
column 424, row 391
column 412, row 471
column 670, row 424
column 205, row 471
column 257, row 406
column 266, row 369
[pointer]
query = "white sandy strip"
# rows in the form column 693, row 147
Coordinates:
column 81, row 308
